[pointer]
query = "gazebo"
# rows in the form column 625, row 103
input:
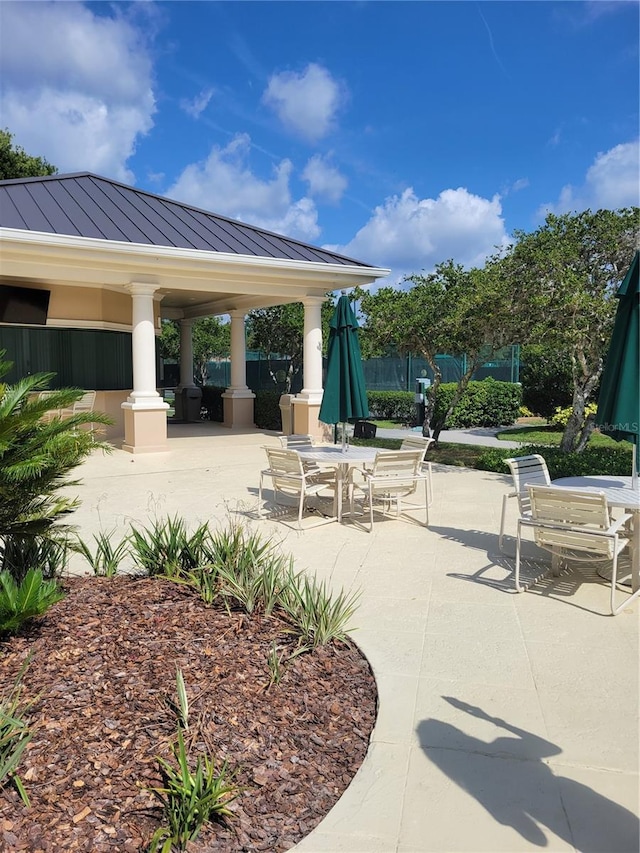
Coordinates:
column 108, row 262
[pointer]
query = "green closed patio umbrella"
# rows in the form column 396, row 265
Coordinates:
column 345, row 395
column 618, row 412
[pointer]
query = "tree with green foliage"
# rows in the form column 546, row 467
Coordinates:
column 36, row 455
column 211, row 339
column 567, row 273
column 452, row 311
column 547, row 383
column 279, row 331
column 16, row 163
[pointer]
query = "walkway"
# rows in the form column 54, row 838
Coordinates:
column 507, row 722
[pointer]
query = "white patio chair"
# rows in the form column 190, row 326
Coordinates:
column 574, row 525
column 418, row 442
column 300, row 441
column 51, row 413
column 526, row 470
column 290, row 480
column 86, row 403
column 395, row 476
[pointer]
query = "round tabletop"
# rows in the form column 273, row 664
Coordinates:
column 336, row 455
column 619, row 491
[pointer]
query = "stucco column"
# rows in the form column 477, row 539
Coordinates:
column 312, row 348
column 237, row 400
column 306, row 404
column 145, row 412
column 143, row 343
column 238, row 352
column 186, row 354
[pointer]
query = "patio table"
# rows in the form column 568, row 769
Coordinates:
column 619, row 492
column 342, row 460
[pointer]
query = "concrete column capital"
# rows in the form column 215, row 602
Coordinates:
column 313, row 300
column 141, row 288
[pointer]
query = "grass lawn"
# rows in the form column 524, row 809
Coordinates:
column 394, row 424
column 461, row 455
column 547, row 435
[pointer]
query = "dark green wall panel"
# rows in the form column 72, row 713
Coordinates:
column 79, row 358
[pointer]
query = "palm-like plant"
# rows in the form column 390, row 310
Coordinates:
column 37, row 454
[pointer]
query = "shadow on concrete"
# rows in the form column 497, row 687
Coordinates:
column 535, row 567
column 510, row 778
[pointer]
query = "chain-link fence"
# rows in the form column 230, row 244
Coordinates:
column 390, row 373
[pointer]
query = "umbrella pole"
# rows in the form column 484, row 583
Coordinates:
column 344, row 437
column 634, row 469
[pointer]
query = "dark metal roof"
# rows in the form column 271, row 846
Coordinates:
column 86, row 205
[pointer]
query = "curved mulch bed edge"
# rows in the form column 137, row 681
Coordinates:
column 104, row 665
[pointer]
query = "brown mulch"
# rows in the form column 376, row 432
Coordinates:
column 104, row 669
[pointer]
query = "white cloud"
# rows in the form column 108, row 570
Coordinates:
column 306, row 103
column 225, row 184
column 196, row 106
column 611, row 182
column 324, row 179
column 410, row 235
column 76, row 87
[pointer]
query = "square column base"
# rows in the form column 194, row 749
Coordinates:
column 238, row 409
column 145, row 428
column 305, row 419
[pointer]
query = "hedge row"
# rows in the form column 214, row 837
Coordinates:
column 392, row 406
column 486, row 403
column 267, row 410
column 615, row 461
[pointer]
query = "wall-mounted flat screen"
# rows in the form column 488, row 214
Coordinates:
column 24, row 305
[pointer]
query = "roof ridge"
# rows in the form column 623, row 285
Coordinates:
column 182, row 204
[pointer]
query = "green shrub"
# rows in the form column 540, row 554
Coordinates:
column 165, row 548
column 392, row 406
column 319, row 616
column 15, row 734
column 107, row 558
column 19, row 553
column 21, row 602
column 213, row 403
column 561, row 417
column 189, row 799
column 486, row 403
column 546, row 379
column 615, row 461
column 267, row 410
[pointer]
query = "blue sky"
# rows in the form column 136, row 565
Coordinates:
column 401, row 133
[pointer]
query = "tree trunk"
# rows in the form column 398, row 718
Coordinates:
column 430, row 402
column 583, row 384
column 587, row 429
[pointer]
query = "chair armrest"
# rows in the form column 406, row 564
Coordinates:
column 620, row 522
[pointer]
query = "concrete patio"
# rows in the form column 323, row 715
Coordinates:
column 507, row 722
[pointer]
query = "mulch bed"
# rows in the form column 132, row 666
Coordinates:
column 104, row 669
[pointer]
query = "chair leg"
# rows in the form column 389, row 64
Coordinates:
column 628, row 599
column 260, row 513
column 430, row 485
column 556, row 561
column 518, row 585
column 370, row 508
column 502, row 520
column 426, row 502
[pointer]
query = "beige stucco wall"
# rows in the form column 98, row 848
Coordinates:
column 89, row 305
column 109, row 402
